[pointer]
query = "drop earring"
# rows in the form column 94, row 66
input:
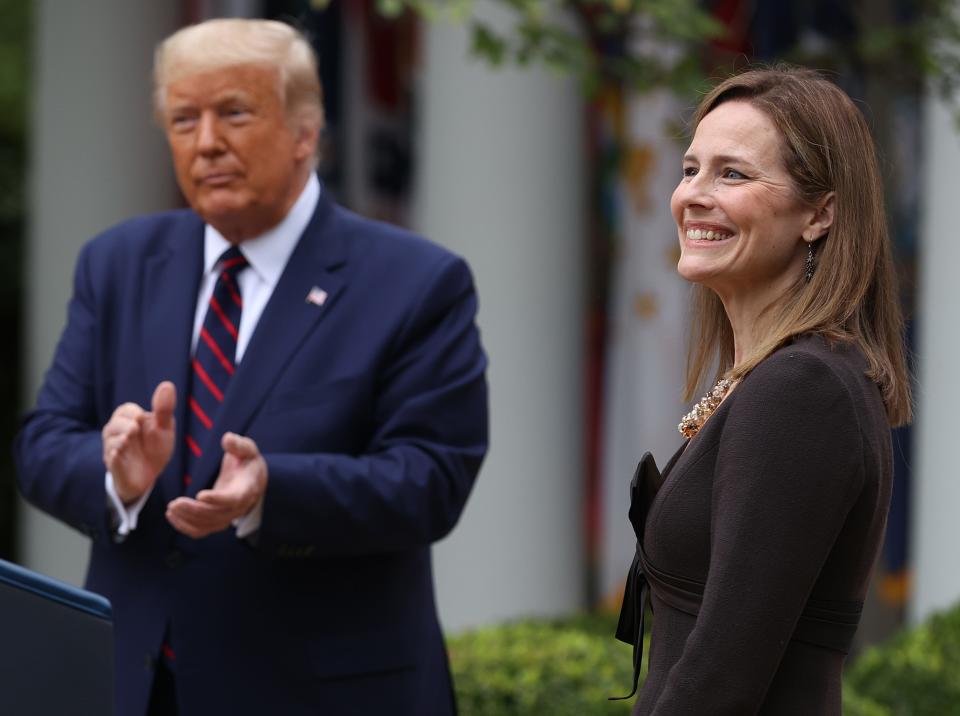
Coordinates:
column 808, row 265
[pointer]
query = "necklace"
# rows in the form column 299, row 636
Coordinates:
column 694, row 420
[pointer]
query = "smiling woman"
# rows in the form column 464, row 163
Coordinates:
column 757, row 543
column 847, row 287
column 743, row 229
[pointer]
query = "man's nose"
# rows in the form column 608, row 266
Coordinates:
column 208, row 134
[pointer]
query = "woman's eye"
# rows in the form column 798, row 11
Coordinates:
column 732, row 174
column 689, row 171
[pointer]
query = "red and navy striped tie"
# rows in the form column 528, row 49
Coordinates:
column 213, row 361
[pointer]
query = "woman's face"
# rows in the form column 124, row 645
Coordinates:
column 740, row 223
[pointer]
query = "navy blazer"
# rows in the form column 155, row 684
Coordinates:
column 371, row 413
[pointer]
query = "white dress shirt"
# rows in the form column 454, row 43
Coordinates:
column 267, row 255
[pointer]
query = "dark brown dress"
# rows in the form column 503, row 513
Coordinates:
column 763, row 535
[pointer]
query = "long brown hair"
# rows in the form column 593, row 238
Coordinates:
column 852, row 296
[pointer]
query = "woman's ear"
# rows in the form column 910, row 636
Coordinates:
column 822, row 218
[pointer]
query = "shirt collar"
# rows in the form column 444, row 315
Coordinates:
column 269, row 252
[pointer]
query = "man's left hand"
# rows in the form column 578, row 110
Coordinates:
column 240, row 485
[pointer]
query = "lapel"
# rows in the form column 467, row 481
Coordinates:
column 171, row 279
column 287, row 320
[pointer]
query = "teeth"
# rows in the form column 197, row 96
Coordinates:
column 701, row 235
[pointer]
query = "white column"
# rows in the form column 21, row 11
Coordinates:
column 96, row 158
column 501, row 182
column 936, row 485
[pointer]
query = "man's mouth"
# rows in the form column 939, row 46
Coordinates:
column 217, row 179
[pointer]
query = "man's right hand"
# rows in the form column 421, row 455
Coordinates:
column 137, row 444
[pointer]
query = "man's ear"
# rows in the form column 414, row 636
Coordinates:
column 822, row 218
column 308, row 135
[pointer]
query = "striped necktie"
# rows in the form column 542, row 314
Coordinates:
column 213, row 361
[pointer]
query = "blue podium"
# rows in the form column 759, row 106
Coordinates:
column 56, row 647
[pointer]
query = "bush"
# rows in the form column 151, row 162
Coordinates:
column 569, row 667
column 855, row 704
column 565, row 667
column 917, row 673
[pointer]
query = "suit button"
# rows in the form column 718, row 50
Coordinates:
column 174, row 558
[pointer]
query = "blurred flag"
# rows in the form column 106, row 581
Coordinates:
column 646, row 323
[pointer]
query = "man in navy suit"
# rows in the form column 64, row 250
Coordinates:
column 262, row 445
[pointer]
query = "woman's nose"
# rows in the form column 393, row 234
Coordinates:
column 695, row 191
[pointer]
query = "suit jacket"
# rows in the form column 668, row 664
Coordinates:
column 370, row 411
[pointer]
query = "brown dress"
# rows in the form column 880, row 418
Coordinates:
column 761, row 540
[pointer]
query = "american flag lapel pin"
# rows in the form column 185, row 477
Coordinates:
column 317, row 296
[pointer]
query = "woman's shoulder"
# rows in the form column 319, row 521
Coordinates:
column 811, row 361
column 814, row 376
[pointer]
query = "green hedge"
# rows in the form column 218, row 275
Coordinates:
column 569, row 667
column 562, row 668
column 917, row 673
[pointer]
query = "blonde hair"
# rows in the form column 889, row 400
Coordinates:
column 852, row 296
column 227, row 42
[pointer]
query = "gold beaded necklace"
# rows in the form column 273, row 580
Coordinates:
column 692, row 422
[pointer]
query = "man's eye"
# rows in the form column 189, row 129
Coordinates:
column 689, row 171
column 236, row 113
column 182, row 123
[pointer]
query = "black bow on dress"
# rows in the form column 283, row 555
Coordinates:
column 644, row 485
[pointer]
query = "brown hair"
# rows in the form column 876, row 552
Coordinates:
column 852, row 296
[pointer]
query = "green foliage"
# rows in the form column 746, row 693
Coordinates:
column 855, row 704
column 903, row 51
column 13, row 67
column 14, row 81
column 645, row 43
column 648, row 44
column 569, row 667
column 13, row 108
column 566, row 667
column 917, row 673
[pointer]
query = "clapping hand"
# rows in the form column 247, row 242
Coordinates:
column 137, row 444
column 240, row 485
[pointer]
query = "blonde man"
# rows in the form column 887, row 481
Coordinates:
column 263, row 410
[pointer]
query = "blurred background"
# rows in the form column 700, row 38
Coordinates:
column 540, row 140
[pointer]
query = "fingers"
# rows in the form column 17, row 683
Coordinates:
column 239, row 486
column 163, row 403
column 123, row 417
column 128, row 417
column 236, row 490
column 233, row 496
column 239, row 446
column 192, row 518
column 196, row 518
column 121, row 425
column 122, row 429
column 243, row 472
